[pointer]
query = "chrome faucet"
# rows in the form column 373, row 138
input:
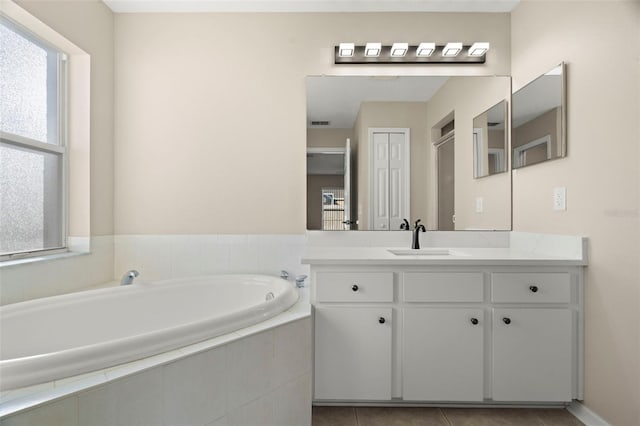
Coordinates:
column 416, row 234
column 128, row 277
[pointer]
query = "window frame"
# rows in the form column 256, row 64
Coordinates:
column 59, row 147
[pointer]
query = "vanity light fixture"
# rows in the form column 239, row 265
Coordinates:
column 425, row 50
column 451, row 49
column 404, row 53
column 346, row 50
column 372, row 50
column 478, row 49
column 398, row 50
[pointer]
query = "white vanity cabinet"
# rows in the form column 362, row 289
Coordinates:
column 534, row 336
column 353, row 322
column 462, row 334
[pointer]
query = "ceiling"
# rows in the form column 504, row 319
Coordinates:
column 166, row 6
column 337, row 99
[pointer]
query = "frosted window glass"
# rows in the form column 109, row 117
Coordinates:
column 28, row 76
column 30, row 204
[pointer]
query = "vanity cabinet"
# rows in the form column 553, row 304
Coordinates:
column 353, row 339
column 443, row 354
column 533, row 336
column 465, row 334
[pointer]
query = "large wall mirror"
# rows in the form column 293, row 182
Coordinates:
column 539, row 120
column 383, row 149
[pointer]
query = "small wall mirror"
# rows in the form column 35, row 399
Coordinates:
column 490, row 141
column 538, row 116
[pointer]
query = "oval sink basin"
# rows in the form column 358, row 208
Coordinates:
column 420, row 252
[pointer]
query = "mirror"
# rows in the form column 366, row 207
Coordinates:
column 538, row 120
column 383, row 148
column 490, row 141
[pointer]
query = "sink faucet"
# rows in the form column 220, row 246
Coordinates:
column 417, row 227
column 128, row 277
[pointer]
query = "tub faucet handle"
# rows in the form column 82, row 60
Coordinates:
column 300, row 280
column 284, row 275
column 128, row 277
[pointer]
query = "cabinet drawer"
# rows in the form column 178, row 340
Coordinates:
column 539, row 287
column 354, row 287
column 443, row 287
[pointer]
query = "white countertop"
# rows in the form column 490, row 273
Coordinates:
column 519, row 249
column 457, row 256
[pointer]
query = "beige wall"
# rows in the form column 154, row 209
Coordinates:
column 89, row 25
column 601, row 174
column 206, row 131
column 409, row 115
column 467, row 98
column 328, row 138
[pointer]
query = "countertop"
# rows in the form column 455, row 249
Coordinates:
column 471, row 256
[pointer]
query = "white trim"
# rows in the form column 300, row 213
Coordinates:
column 585, row 415
column 478, row 153
column 520, row 152
column 329, row 150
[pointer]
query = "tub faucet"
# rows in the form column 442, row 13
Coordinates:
column 416, row 234
column 128, row 277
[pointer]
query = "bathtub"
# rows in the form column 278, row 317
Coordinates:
column 51, row 338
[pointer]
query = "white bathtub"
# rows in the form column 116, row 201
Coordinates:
column 56, row 337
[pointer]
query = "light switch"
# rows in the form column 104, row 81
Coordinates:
column 560, row 198
column 479, row 204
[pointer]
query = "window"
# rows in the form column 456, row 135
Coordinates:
column 33, row 157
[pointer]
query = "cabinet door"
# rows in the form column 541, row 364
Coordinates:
column 532, row 351
column 353, row 353
column 443, row 354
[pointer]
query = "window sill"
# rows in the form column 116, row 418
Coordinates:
column 38, row 259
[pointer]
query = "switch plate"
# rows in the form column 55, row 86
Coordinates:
column 560, row 198
column 479, row 204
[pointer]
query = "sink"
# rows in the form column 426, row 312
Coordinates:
column 420, row 252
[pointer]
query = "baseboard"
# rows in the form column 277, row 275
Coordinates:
column 585, row 415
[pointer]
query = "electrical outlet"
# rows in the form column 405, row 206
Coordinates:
column 479, row 204
column 560, row 198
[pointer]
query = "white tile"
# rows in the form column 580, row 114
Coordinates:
column 258, row 412
column 195, row 389
column 222, row 421
column 186, row 251
column 250, row 368
column 244, row 256
column 292, row 403
column 11, row 287
column 59, row 413
column 292, row 346
column 154, row 256
column 125, row 255
column 98, row 407
column 138, row 399
column 214, row 255
column 133, row 367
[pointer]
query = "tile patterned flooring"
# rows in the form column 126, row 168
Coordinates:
column 419, row 416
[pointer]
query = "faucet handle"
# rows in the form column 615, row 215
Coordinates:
column 405, row 225
column 300, row 280
column 284, row 275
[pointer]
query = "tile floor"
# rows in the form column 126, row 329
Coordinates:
column 419, row 416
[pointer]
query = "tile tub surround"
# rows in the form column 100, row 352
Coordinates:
column 266, row 371
column 174, row 256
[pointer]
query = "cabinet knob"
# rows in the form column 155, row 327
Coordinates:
column 354, row 287
column 474, row 321
column 506, row 320
column 381, row 320
column 533, row 288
